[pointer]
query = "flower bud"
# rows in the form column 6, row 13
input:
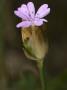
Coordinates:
column 34, row 45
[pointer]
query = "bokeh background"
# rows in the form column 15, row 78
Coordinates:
column 16, row 71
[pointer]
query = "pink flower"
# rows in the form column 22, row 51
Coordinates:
column 29, row 18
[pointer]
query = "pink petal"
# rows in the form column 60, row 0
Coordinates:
column 24, row 24
column 31, row 9
column 24, row 10
column 38, row 22
column 43, row 11
column 19, row 14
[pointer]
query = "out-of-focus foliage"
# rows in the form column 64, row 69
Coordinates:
column 29, row 82
column 16, row 71
column 58, row 83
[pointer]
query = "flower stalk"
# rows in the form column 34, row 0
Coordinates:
column 42, row 76
column 40, row 67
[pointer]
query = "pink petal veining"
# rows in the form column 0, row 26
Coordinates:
column 31, row 9
column 43, row 11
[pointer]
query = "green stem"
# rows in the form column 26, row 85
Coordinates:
column 43, row 83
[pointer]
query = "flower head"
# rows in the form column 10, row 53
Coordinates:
column 28, row 16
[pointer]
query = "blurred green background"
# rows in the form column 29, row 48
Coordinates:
column 16, row 71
